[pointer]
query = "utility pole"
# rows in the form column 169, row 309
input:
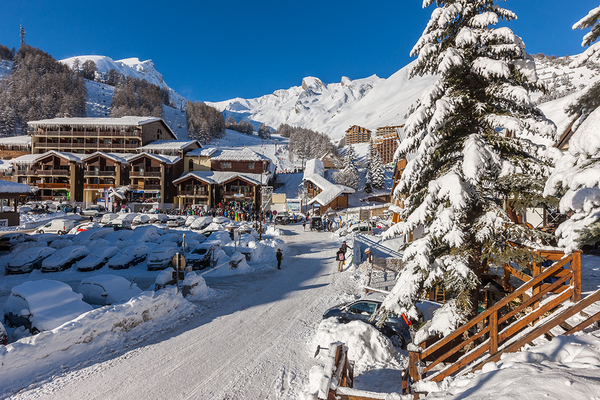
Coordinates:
column 22, row 35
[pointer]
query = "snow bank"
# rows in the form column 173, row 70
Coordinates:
column 198, row 290
column 79, row 340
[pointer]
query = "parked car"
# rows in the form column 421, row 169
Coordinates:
column 93, row 211
column 201, row 223
column 8, row 240
column 66, row 208
column 141, row 219
column 84, row 227
column 107, row 289
column 43, row 305
column 59, row 226
column 64, row 258
column 96, row 259
column 396, row 327
column 106, row 218
column 363, row 226
column 3, row 335
column 201, row 255
column 129, row 256
column 158, row 218
column 316, row 223
column 28, row 260
column 161, row 258
column 120, row 224
column 283, row 218
column 190, row 220
column 175, row 222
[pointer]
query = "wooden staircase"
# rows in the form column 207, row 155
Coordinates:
column 551, row 304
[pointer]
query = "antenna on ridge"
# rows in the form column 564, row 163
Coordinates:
column 22, row 35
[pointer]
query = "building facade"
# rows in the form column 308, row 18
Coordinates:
column 357, row 134
column 385, row 142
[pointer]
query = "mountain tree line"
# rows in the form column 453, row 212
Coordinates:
column 38, row 87
column 204, row 122
column 137, row 97
column 305, row 143
column 6, row 53
column 243, row 126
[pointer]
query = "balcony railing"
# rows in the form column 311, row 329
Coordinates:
column 144, row 173
column 198, row 193
column 52, row 185
column 88, row 134
column 99, row 173
column 97, row 185
column 145, row 187
column 92, row 146
column 41, row 172
column 235, row 194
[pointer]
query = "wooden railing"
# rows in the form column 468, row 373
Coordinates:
column 492, row 332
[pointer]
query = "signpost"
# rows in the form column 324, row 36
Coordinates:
column 178, row 263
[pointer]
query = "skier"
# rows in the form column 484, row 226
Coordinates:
column 279, row 256
column 340, row 257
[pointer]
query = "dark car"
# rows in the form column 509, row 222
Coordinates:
column 8, row 240
column 283, row 218
column 395, row 328
column 316, row 223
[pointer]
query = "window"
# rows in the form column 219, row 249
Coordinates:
column 226, row 165
column 234, row 188
column 251, row 165
column 191, row 165
column 363, row 308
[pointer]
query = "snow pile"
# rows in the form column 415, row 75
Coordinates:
column 552, row 370
column 198, row 290
column 272, row 231
column 90, row 334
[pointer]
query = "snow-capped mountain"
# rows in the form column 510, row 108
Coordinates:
column 129, row 67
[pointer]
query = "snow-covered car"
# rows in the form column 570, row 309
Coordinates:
column 43, row 305
column 107, row 289
column 190, row 220
column 8, row 240
column 3, row 335
column 396, row 327
column 64, row 258
column 200, row 256
column 120, row 224
column 93, row 211
column 129, row 256
column 106, row 218
column 201, row 223
column 283, row 218
column 84, row 227
column 27, row 260
column 158, row 218
column 97, row 258
column 161, row 258
column 140, row 219
column 171, row 238
column 92, row 234
column 175, row 222
column 221, row 220
column 363, row 226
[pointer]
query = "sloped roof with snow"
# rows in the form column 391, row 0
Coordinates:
column 330, row 193
column 159, row 157
column 206, row 152
column 122, row 158
column 194, row 174
column 244, row 154
column 166, row 145
column 221, row 177
column 13, row 187
column 23, row 141
column 25, row 159
column 314, row 172
column 314, row 167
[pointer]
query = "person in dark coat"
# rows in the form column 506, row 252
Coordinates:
column 344, row 247
column 340, row 257
column 279, row 256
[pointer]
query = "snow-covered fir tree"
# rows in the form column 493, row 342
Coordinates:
column 368, row 177
column 464, row 167
column 348, row 176
column 377, row 172
column 577, row 173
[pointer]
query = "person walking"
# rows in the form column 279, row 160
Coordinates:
column 304, row 225
column 279, row 256
column 344, row 247
column 340, row 257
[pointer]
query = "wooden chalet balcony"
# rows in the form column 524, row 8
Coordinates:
column 97, row 185
column 236, row 194
column 145, row 187
column 40, row 172
column 198, row 193
column 52, row 185
column 99, row 173
column 144, row 173
column 92, row 146
column 87, row 134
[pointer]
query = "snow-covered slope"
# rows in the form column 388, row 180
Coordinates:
column 129, row 67
column 332, row 108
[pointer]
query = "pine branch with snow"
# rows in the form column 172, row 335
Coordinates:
column 459, row 178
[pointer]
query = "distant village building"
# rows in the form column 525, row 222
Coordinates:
column 331, row 161
column 14, row 146
column 322, row 194
column 357, row 134
column 88, row 135
column 385, row 142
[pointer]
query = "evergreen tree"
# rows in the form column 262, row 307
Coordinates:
column 459, row 178
column 368, row 176
column 377, row 172
column 348, row 176
column 577, row 173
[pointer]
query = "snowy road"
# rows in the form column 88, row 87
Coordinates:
column 252, row 341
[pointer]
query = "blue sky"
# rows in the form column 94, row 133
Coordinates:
column 213, row 50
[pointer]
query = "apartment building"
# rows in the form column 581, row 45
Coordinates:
column 102, row 171
column 385, row 142
column 357, row 134
column 89, row 135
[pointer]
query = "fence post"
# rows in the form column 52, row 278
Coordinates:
column 414, row 357
column 536, row 270
column 494, row 332
column 576, row 268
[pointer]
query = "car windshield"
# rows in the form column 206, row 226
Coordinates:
column 363, row 308
column 199, row 251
